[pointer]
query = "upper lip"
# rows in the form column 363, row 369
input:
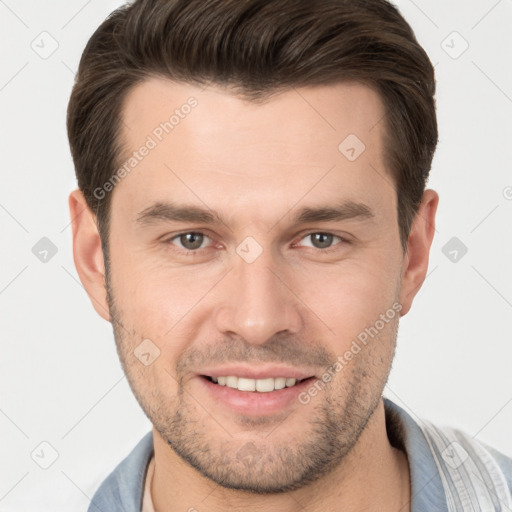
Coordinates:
column 257, row 372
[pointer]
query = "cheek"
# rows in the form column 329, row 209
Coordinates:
column 156, row 295
column 165, row 305
column 350, row 297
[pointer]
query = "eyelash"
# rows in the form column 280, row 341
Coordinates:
column 332, row 248
column 191, row 252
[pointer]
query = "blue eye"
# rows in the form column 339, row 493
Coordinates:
column 190, row 241
column 322, row 240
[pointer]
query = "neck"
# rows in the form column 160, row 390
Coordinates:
column 372, row 473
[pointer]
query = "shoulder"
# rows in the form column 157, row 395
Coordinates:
column 123, row 488
column 469, row 466
column 450, row 470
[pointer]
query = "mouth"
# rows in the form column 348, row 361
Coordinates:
column 265, row 385
column 255, row 392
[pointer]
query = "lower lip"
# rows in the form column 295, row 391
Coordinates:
column 254, row 403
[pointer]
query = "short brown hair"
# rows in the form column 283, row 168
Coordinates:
column 256, row 48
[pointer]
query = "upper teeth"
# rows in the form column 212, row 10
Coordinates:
column 262, row 385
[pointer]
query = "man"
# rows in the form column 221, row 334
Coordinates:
column 252, row 219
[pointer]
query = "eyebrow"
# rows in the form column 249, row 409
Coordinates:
column 170, row 212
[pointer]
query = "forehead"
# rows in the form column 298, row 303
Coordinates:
column 318, row 111
column 208, row 142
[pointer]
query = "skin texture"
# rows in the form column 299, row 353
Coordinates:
column 296, row 304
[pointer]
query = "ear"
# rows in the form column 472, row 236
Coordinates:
column 87, row 252
column 415, row 262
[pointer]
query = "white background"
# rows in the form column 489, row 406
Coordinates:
column 60, row 379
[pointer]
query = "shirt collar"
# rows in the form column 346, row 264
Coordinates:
column 427, row 492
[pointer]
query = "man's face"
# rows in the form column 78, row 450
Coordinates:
column 295, row 254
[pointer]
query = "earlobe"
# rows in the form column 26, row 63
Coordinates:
column 87, row 252
column 416, row 259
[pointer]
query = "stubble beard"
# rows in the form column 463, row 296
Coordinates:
column 270, row 463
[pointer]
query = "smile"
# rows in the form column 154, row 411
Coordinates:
column 258, row 385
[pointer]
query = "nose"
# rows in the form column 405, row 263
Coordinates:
column 258, row 302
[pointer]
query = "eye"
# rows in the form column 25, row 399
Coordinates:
column 321, row 240
column 189, row 241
